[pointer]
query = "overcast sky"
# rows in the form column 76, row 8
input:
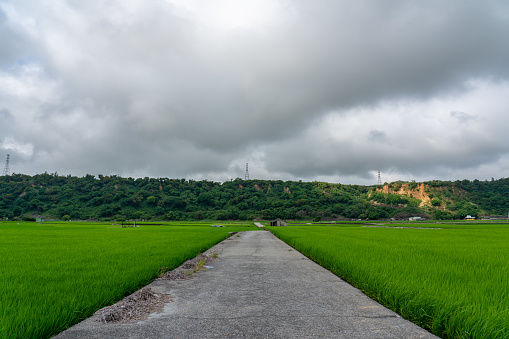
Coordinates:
column 326, row 90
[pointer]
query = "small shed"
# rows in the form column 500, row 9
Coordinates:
column 278, row 222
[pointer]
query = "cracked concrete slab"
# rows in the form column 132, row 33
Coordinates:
column 259, row 288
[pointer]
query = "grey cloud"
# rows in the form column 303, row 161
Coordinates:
column 5, row 122
column 377, row 136
column 462, row 116
column 421, row 144
column 161, row 92
column 5, row 117
column 302, row 159
column 13, row 44
column 300, row 70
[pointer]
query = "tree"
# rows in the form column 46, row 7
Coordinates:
column 151, row 200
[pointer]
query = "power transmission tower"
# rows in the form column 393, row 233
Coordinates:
column 246, row 177
column 6, row 168
column 379, row 182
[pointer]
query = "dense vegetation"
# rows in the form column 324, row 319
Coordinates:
column 452, row 281
column 491, row 196
column 113, row 197
column 56, row 274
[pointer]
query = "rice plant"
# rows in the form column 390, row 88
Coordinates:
column 452, row 281
column 54, row 275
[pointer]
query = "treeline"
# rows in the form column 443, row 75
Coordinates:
column 113, row 197
column 491, row 196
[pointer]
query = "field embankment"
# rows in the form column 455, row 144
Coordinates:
column 453, row 281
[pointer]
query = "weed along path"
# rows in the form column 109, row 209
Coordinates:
column 258, row 287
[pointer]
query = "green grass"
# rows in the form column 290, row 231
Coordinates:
column 52, row 275
column 452, row 281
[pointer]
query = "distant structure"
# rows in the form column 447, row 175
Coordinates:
column 379, row 182
column 6, row 168
column 246, row 177
column 278, row 222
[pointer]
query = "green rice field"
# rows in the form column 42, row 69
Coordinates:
column 452, row 280
column 52, row 275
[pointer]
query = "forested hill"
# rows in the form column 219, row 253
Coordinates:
column 113, row 197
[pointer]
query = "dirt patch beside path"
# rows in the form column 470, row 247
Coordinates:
column 139, row 305
column 135, row 307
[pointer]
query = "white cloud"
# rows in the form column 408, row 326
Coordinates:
column 232, row 14
column 23, row 149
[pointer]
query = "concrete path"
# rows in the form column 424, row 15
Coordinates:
column 259, row 288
